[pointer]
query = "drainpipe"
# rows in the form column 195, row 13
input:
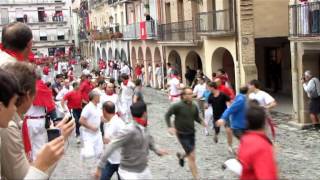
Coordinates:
column 236, row 29
column 128, row 45
column 164, row 56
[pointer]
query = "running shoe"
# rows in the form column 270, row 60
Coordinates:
column 215, row 139
column 181, row 159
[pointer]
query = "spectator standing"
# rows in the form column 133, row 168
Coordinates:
column 158, row 73
column 311, row 86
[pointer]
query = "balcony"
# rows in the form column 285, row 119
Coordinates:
column 98, row 3
column 33, row 20
column 179, row 33
column 27, row 2
column 304, row 20
column 133, row 31
column 215, row 23
column 108, row 33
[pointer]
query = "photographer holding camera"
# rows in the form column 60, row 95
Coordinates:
column 311, row 86
column 13, row 156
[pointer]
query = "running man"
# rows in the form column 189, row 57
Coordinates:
column 185, row 112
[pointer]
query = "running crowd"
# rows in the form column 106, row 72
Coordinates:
column 108, row 113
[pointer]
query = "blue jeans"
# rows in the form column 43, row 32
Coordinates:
column 109, row 170
column 76, row 115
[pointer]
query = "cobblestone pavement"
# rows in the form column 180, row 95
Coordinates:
column 297, row 150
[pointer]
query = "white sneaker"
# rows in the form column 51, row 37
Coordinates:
column 206, row 132
column 78, row 140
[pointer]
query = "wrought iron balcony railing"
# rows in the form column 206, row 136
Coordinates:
column 18, row 2
column 305, row 20
column 178, row 31
column 34, row 20
column 219, row 22
column 133, row 31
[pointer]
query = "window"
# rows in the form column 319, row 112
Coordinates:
column 60, row 34
column 43, row 35
column 19, row 15
column 41, row 14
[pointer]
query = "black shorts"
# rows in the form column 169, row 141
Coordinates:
column 314, row 105
column 238, row 132
column 187, row 141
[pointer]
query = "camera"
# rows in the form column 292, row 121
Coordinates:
column 53, row 133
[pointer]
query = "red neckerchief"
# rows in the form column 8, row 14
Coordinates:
column 109, row 93
column 125, row 82
column 14, row 54
column 141, row 121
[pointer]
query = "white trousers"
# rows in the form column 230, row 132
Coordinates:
column 37, row 134
column 92, row 144
column 159, row 81
column 126, row 175
column 125, row 104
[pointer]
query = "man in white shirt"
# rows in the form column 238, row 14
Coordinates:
column 311, row 86
column 125, row 69
column 127, row 90
column 199, row 89
column 65, row 89
column 150, row 80
column 90, row 121
column 158, row 74
column 112, row 126
column 174, row 87
column 86, row 71
column 110, row 95
column 265, row 100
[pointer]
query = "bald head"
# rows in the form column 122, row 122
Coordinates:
column 16, row 36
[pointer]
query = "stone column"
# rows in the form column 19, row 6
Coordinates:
column 246, row 40
column 295, row 80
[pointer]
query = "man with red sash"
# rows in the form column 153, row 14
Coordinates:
column 34, row 124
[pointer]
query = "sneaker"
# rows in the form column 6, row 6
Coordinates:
column 181, row 159
column 215, row 138
column 231, row 151
column 78, row 140
column 206, row 132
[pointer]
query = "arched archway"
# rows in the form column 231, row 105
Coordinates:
column 222, row 59
column 98, row 54
column 140, row 56
column 104, row 54
column 175, row 61
column 117, row 55
column 109, row 54
column 148, row 62
column 123, row 56
column 193, row 61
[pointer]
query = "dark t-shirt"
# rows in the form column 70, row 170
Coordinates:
column 218, row 104
column 138, row 93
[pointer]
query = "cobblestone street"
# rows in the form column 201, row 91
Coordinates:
column 297, row 151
